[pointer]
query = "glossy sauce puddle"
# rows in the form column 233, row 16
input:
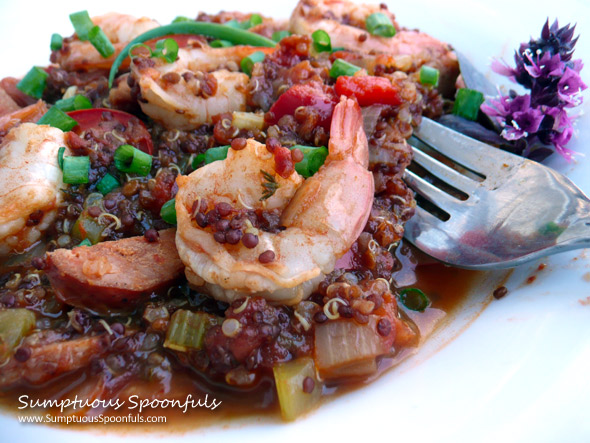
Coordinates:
column 449, row 289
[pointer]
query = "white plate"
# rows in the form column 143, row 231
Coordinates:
column 517, row 372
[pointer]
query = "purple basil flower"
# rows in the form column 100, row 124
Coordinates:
column 569, row 86
column 546, row 68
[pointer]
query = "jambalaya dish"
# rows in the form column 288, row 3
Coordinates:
column 215, row 206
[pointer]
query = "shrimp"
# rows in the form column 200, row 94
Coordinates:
column 30, row 182
column 185, row 94
column 320, row 217
column 119, row 28
column 345, row 23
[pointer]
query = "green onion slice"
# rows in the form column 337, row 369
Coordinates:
column 56, row 42
column 34, row 82
column 215, row 30
column 101, row 42
column 247, row 63
column 85, row 242
column 181, row 19
column 341, row 67
column 277, row 36
column 429, row 75
column 339, row 48
column 74, row 103
column 166, row 49
column 313, row 159
column 233, row 24
column 58, row 119
column 60, row 157
column 321, row 41
column 254, row 20
column 132, row 49
column 168, row 212
column 132, row 160
column 220, row 44
column 379, row 24
column 75, row 170
column 211, row 155
column 467, row 103
column 82, row 24
column 107, row 184
column 414, row 299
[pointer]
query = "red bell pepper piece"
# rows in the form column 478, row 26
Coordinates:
column 369, row 90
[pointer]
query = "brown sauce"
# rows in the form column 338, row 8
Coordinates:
column 446, row 287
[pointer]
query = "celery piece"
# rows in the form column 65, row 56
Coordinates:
column 289, row 380
column 187, row 330
column 14, row 325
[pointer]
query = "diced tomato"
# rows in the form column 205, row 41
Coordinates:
column 369, row 90
column 136, row 133
column 314, row 94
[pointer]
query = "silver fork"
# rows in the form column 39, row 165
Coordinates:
column 516, row 210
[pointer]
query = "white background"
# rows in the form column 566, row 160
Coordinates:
column 519, row 372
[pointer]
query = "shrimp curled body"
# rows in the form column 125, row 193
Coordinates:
column 30, row 182
column 320, row 218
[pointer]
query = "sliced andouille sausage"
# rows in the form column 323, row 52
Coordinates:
column 116, row 274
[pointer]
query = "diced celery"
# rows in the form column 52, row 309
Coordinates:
column 14, row 325
column 187, row 330
column 87, row 227
column 289, row 380
column 247, row 120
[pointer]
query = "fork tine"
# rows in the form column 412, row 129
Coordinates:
column 422, row 220
column 470, row 153
column 432, row 193
column 443, row 172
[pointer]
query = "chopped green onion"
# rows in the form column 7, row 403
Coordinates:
column 339, row 48
column 130, row 159
column 57, row 42
column 429, row 75
column 34, row 82
column 379, row 24
column 60, row 157
column 75, row 170
column 82, row 24
column 341, row 67
column 414, row 299
column 233, row 24
column 107, row 184
column 247, row 63
column 187, row 329
column 85, row 242
column 168, row 212
column 74, row 103
column 313, row 159
column 101, row 42
column 254, row 20
column 467, row 103
column 166, row 49
column 211, row 155
column 221, row 44
column 277, row 36
column 321, row 41
column 215, row 30
column 139, row 45
column 58, row 119
column 181, row 19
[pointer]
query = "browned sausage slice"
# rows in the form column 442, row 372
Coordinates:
column 116, row 274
